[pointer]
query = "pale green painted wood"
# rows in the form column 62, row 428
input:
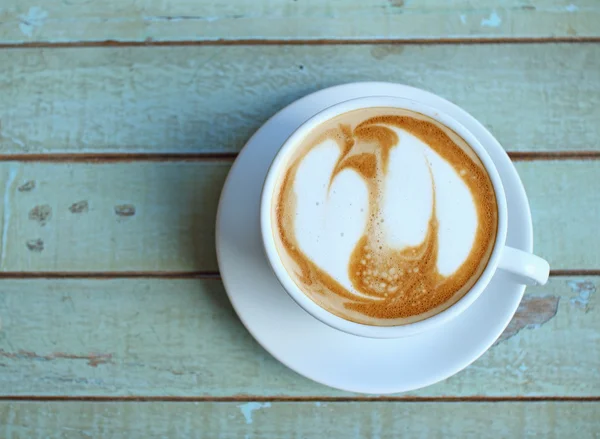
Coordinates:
column 533, row 97
column 565, row 205
column 139, row 216
column 124, row 420
column 159, row 216
column 177, row 20
column 159, row 337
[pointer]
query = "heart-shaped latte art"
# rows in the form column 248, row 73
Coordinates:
column 386, row 220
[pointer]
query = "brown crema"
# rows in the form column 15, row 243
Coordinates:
column 392, row 286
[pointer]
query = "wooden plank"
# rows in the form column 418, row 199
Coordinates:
column 159, row 216
column 189, row 20
column 298, row 420
column 533, row 97
column 160, row 337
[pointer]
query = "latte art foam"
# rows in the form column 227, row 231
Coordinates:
column 384, row 216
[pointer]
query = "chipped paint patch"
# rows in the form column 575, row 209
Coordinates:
column 584, row 290
column 381, row 52
column 571, row 8
column 532, row 313
column 35, row 245
column 463, row 18
column 493, row 20
column 79, row 207
column 250, row 407
column 28, row 186
column 125, row 210
column 34, row 18
column 41, row 214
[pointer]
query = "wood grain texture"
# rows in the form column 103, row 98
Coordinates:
column 159, row 216
column 64, row 420
column 177, row 20
column 158, row 337
column 533, row 97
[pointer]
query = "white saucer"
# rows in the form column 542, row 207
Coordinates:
column 315, row 350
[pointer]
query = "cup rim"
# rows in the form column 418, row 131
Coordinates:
column 320, row 313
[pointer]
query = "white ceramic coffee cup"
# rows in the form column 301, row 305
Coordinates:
column 527, row 268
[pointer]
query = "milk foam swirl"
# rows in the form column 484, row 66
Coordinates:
column 386, row 284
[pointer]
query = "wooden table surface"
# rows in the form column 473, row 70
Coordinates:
column 119, row 120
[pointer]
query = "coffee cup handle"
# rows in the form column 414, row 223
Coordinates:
column 527, row 267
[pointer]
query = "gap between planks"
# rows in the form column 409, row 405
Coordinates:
column 341, row 399
column 214, row 275
column 302, row 42
column 518, row 156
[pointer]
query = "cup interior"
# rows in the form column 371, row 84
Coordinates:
column 280, row 162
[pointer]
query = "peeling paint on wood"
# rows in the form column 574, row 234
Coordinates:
column 171, row 337
column 381, row 52
column 493, row 20
column 35, row 245
column 179, row 202
column 79, row 207
column 27, row 186
column 125, row 210
column 532, row 313
column 41, row 214
column 249, row 407
column 32, row 20
column 584, row 289
column 176, row 231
